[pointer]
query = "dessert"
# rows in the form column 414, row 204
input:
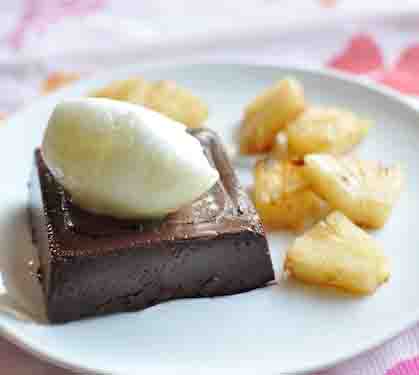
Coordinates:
column 124, row 160
column 335, row 252
column 305, row 176
column 325, row 130
column 268, row 113
column 166, row 97
column 365, row 191
column 94, row 264
column 283, row 197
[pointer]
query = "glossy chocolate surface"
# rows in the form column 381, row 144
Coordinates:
column 95, row 264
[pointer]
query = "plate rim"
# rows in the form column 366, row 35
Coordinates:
column 326, row 73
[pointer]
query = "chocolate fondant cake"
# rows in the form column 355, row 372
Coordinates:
column 92, row 264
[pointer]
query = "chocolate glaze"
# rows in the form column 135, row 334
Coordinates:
column 94, row 264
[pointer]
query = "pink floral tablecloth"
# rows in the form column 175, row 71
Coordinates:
column 47, row 43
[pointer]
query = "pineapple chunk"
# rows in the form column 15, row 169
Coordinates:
column 269, row 113
column 280, row 148
column 325, row 130
column 140, row 93
column 163, row 96
column 337, row 253
column 177, row 103
column 121, row 90
column 365, row 191
column 282, row 196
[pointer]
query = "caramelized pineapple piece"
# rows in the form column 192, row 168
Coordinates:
column 122, row 90
column 164, row 96
column 140, row 93
column 283, row 198
column 269, row 113
column 280, row 148
column 335, row 252
column 325, row 130
column 177, row 103
column 365, row 191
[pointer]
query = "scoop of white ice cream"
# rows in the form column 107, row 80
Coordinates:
column 124, row 160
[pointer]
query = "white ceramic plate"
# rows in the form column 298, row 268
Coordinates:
column 280, row 329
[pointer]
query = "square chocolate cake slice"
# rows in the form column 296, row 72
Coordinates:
column 92, row 264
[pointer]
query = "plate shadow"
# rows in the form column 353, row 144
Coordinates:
column 22, row 295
